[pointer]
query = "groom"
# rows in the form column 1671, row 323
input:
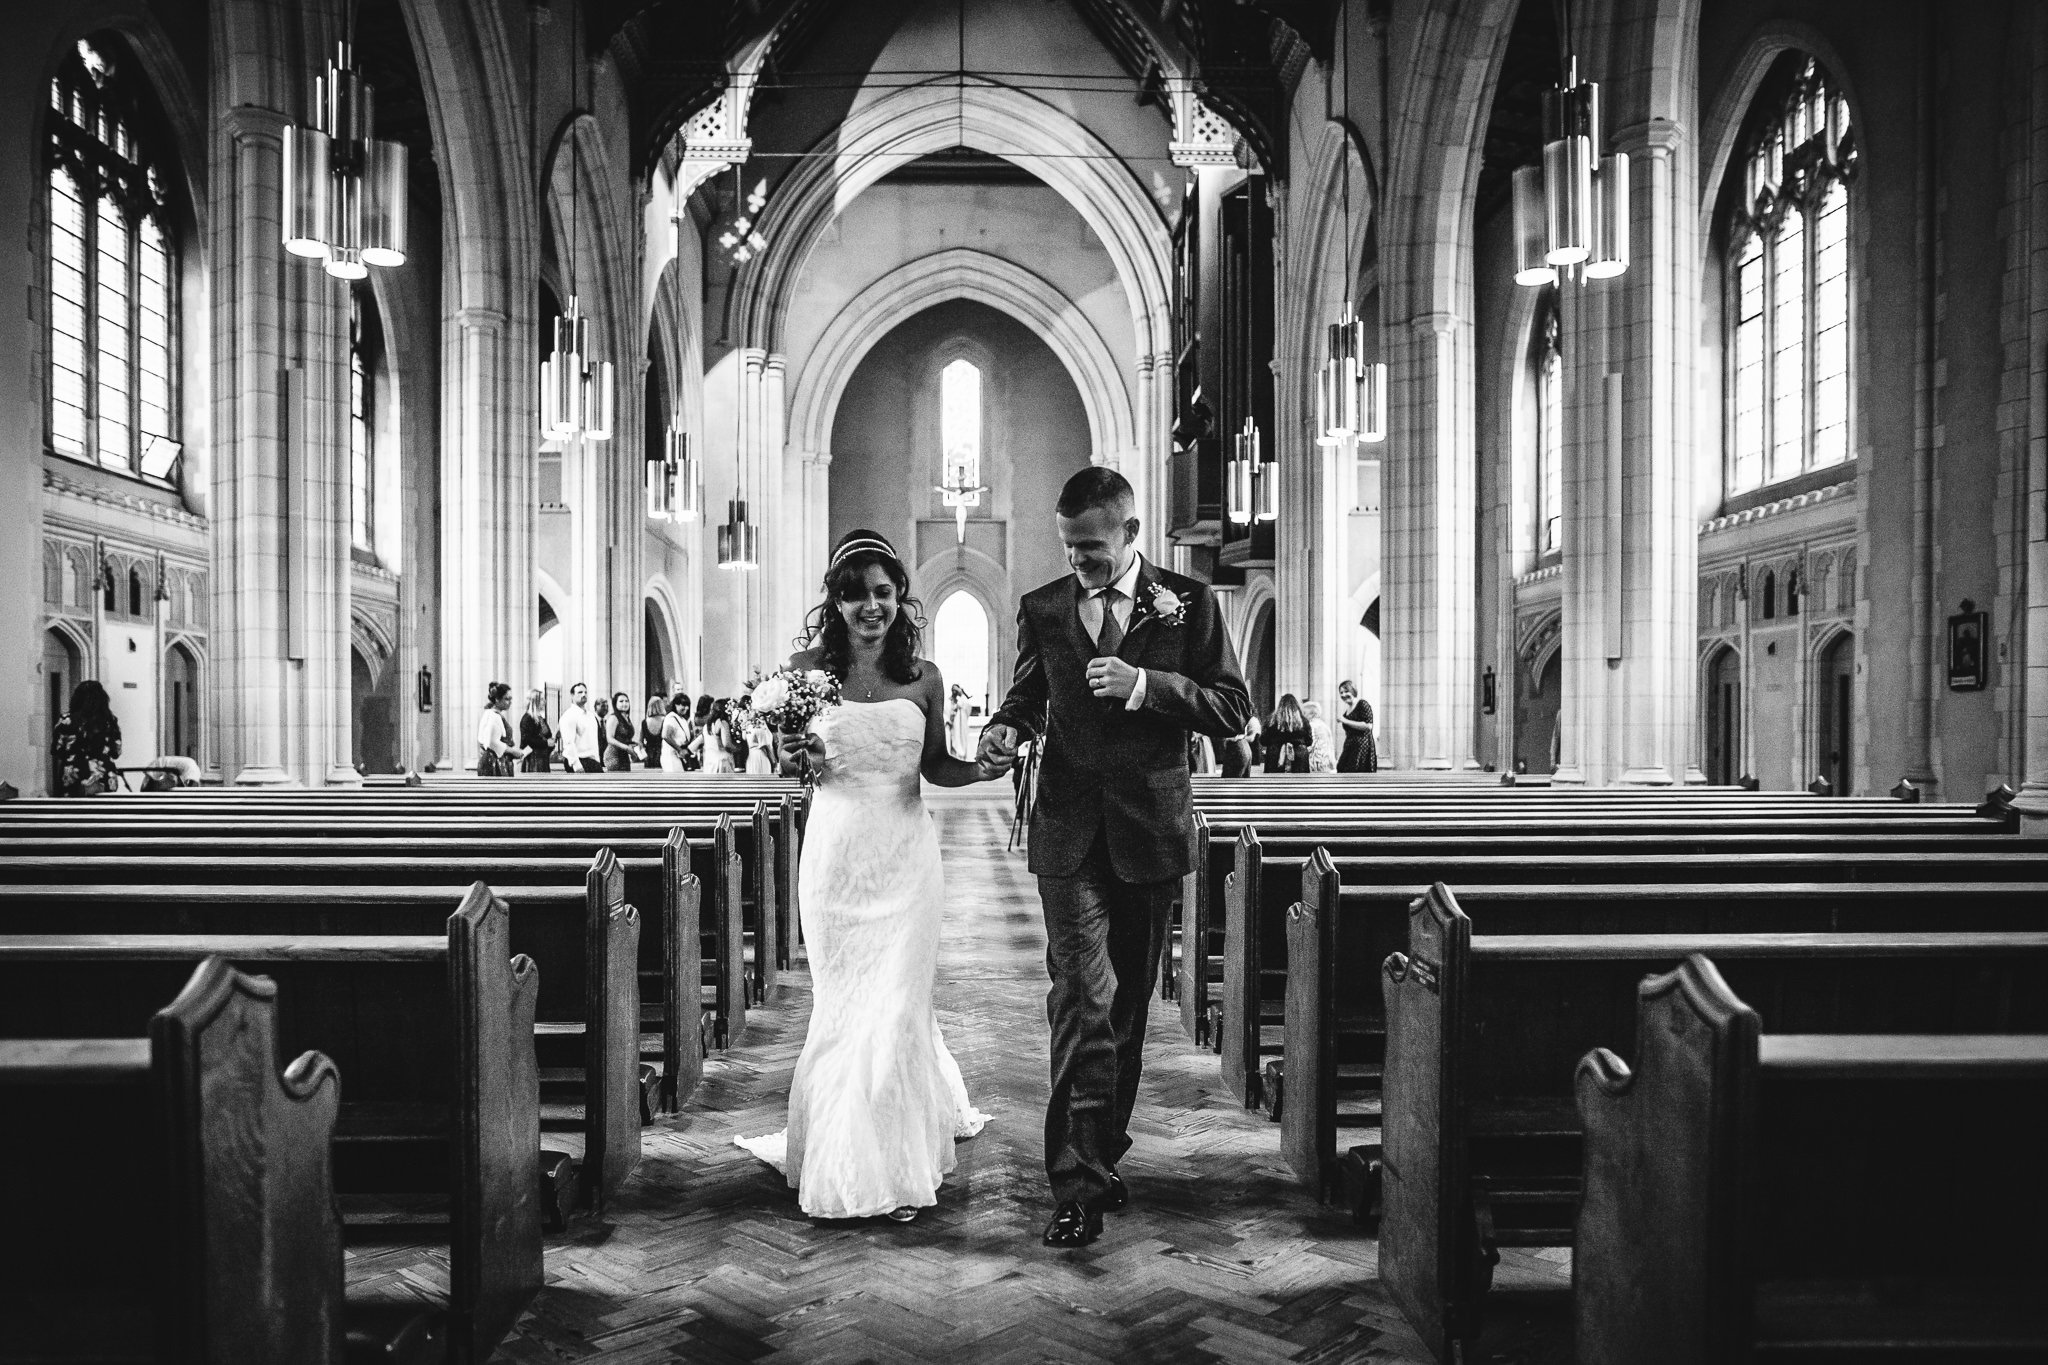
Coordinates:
column 1114, row 666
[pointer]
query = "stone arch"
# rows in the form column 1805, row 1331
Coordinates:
column 374, row 640
column 981, row 578
column 908, row 122
column 962, row 273
column 660, row 606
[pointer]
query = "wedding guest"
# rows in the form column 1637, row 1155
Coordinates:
column 1321, row 758
column 87, row 743
column 1361, row 750
column 496, row 754
column 760, row 746
column 650, row 731
column 536, row 736
column 1235, row 756
column 675, row 735
column 1287, row 737
column 958, row 709
column 717, row 737
column 619, row 735
column 579, row 733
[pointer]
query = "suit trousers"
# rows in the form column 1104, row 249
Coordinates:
column 1104, row 937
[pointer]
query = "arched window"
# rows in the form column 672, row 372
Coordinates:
column 1546, row 359
column 362, row 431
column 1787, row 281
column 960, row 433
column 113, row 270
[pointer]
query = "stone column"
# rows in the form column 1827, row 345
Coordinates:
column 280, row 482
column 1427, row 614
column 488, row 455
column 2032, row 647
column 1631, row 551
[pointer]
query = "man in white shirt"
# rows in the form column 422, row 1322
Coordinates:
column 578, row 732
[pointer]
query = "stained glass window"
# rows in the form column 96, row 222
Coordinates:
column 112, row 274
column 1788, row 284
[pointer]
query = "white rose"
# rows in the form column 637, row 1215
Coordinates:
column 771, row 695
column 1165, row 601
column 818, row 677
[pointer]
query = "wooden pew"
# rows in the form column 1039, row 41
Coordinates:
column 1481, row 1136
column 1754, row 1195
column 435, row 1037
column 1260, row 889
column 587, row 1037
column 716, row 835
column 1517, row 827
column 670, row 969
column 173, row 1174
column 1335, row 1031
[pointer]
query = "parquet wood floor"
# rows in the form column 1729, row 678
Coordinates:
column 1221, row 1257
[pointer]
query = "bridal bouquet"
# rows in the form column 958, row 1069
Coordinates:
column 789, row 699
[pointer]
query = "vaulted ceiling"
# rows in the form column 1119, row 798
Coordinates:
column 1243, row 56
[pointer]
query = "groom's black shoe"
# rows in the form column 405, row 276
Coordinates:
column 1116, row 1198
column 1073, row 1225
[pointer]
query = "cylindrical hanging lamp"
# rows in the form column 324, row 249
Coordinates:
column 1610, row 219
column 1571, row 119
column 1242, row 473
column 1531, row 230
column 1375, row 415
column 344, row 191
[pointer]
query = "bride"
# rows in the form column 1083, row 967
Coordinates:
column 877, row 1101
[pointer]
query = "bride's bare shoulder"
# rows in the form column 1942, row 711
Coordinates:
column 806, row 659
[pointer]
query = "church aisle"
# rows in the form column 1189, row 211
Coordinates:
column 705, row 1256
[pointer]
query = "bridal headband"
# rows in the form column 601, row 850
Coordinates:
column 858, row 544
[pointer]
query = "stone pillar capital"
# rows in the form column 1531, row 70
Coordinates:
column 247, row 123
column 1653, row 137
column 1435, row 324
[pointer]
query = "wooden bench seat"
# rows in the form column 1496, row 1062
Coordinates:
column 681, row 965
column 1754, row 1196
column 715, row 838
column 437, row 1029
column 1481, row 1134
column 589, row 1053
column 1252, row 962
column 136, row 1240
column 1192, row 975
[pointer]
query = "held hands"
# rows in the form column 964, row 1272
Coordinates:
column 1112, row 679
column 998, row 752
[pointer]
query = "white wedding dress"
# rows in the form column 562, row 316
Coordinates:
column 877, row 1101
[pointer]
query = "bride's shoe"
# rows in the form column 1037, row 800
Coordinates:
column 906, row 1214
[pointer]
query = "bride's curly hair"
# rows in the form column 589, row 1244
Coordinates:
column 845, row 580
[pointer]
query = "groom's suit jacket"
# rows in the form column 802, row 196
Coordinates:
column 1107, row 769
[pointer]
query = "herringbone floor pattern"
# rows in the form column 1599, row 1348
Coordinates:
column 1221, row 1257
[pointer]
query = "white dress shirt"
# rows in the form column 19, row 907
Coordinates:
column 578, row 734
column 1126, row 587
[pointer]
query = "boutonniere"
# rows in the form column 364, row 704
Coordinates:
column 1166, row 606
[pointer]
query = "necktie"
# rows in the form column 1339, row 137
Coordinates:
column 1110, row 638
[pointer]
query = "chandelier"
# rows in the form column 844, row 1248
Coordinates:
column 1351, row 392
column 675, row 489
column 344, row 191
column 1253, row 481
column 1571, row 212
column 576, row 393
column 739, row 540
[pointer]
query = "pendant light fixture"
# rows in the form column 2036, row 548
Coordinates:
column 739, row 540
column 344, row 191
column 1571, row 211
column 675, row 488
column 577, row 394
column 1254, row 481
column 1351, row 391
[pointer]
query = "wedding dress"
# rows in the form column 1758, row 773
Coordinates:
column 877, row 1101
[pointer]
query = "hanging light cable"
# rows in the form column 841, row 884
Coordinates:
column 344, row 191
column 577, row 394
column 739, row 540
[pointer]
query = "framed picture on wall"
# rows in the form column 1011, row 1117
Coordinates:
column 1967, row 641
